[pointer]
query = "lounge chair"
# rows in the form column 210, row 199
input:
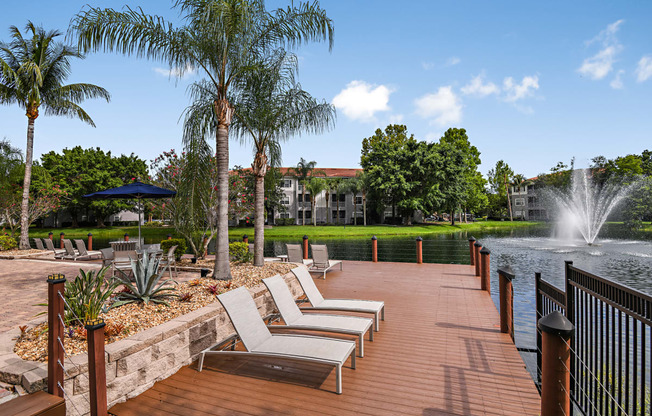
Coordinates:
column 85, row 254
column 39, row 244
column 107, row 256
column 320, row 261
column 349, row 305
column 58, row 252
column 295, row 255
column 295, row 319
column 70, row 252
column 258, row 341
column 170, row 260
column 122, row 261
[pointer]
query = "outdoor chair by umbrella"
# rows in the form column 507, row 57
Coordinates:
column 134, row 190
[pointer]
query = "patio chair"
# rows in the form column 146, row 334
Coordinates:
column 349, row 305
column 259, row 342
column 39, row 244
column 295, row 319
column 169, row 260
column 58, row 252
column 70, row 253
column 107, row 256
column 320, row 261
column 85, row 254
column 122, row 260
column 295, row 255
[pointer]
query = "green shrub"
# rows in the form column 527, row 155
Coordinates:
column 146, row 285
column 181, row 244
column 87, row 296
column 284, row 221
column 239, row 252
column 154, row 224
column 7, row 243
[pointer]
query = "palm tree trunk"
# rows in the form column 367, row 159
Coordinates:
column 364, row 208
column 303, row 204
column 355, row 210
column 24, row 206
column 329, row 216
column 314, row 209
column 222, row 270
column 337, row 196
column 259, row 167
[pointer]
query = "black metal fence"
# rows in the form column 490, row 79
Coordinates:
column 611, row 361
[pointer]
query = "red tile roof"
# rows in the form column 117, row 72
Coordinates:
column 327, row 172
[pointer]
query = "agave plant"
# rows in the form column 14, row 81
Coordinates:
column 147, row 285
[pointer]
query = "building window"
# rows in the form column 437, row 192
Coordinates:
column 308, row 214
column 286, row 183
column 358, row 200
column 300, row 197
column 519, row 202
column 532, row 200
column 342, row 214
column 284, row 215
column 285, row 200
column 334, row 197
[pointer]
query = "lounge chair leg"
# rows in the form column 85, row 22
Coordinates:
column 382, row 311
column 353, row 359
column 376, row 324
column 338, row 381
column 361, row 339
column 371, row 334
column 201, row 362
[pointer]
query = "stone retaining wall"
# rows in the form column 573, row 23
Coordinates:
column 135, row 363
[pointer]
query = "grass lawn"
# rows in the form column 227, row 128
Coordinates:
column 297, row 231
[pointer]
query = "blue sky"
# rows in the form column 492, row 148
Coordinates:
column 533, row 83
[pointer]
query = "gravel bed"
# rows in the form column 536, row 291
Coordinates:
column 129, row 319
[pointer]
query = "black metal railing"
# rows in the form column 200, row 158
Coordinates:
column 611, row 356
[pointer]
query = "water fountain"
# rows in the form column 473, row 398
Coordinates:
column 586, row 205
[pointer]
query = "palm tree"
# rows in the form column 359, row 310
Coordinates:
column 32, row 73
column 271, row 108
column 518, row 181
column 353, row 186
column 316, row 186
column 302, row 172
column 224, row 40
column 363, row 186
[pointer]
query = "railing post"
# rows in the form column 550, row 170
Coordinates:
column 96, row 366
column 419, row 250
column 476, row 255
column 169, row 236
column 305, row 246
column 55, row 333
column 50, row 234
column 556, row 331
column 62, row 235
column 472, row 250
column 485, row 269
column 245, row 239
column 374, row 249
column 90, row 241
column 538, row 301
column 126, row 237
column 505, row 275
column 570, row 304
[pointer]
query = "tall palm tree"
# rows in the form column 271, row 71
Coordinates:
column 353, row 186
column 270, row 109
column 303, row 171
column 223, row 40
column 519, row 181
column 363, row 186
column 32, row 73
column 316, row 186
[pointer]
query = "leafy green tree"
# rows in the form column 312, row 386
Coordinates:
column 498, row 178
column 303, row 172
column 32, row 73
column 224, row 40
column 315, row 186
column 354, row 185
column 270, row 109
column 79, row 171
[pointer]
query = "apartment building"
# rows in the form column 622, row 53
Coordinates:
column 527, row 203
column 324, row 212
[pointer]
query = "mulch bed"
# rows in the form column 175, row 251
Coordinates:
column 129, row 319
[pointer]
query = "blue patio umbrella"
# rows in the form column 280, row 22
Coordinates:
column 134, row 190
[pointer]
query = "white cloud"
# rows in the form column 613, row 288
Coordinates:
column 599, row 65
column 361, row 101
column 395, row 119
column 644, row 69
column 453, row 60
column 515, row 91
column 427, row 66
column 478, row 88
column 175, row 72
column 443, row 106
column 617, row 83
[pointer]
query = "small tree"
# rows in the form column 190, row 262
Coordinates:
column 303, row 171
column 316, row 186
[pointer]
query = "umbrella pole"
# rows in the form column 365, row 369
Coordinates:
column 139, row 214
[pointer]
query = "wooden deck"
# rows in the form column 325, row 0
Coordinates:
column 438, row 352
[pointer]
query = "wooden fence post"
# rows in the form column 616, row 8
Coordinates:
column 245, row 239
column 90, row 241
column 472, row 250
column 56, row 288
column 126, row 237
column 62, row 235
column 419, row 250
column 477, row 246
column 305, row 246
column 485, row 269
column 96, row 366
column 374, row 249
column 505, row 275
column 556, row 331
column 50, row 234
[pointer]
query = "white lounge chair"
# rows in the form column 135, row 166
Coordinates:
column 350, row 305
column 258, row 341
column 320, row 260
column 295, row 255
column 58, row 252
column 295, row 319
column 70, row 253
column 85, row 254
column 39, row 244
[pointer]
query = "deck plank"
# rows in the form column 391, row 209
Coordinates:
column 439, row 352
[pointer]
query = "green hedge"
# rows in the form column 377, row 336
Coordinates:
column 7, row 243
column 180, row 242
column 284, row 221
column 239, row 252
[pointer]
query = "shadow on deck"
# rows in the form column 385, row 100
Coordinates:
column 440, row 351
